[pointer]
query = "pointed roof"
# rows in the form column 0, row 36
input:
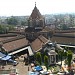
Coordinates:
column 35, row 14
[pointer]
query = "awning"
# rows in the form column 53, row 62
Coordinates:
column 2, row 55
column 29, row 50
column 6, row 57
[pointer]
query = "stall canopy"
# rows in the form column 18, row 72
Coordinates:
column 7, row 57
column 2, row 55
column 12, row 61
column 38, row 68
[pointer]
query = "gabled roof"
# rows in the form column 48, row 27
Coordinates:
column 35, row 14
column 43, row 39
column 38, row 43
column 63, row 40
column 11, row 46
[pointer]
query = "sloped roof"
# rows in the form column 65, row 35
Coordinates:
column 63, row 40
column 38, row 43
column 43, row 39
column 7, row 36
column 35, row 14
column 10, row 46
column 19, row 43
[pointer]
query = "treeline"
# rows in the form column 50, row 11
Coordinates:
column 14, row 20
column 5, row 28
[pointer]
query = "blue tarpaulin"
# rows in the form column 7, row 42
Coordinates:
column 7, row 57
column 12, row 60
column 2, row 55
column 38, row 68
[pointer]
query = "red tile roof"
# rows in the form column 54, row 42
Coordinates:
column 63, row 40
column 38, row 43
column 7, row 36
column 35, row 14
column 43, row 39
column 10, row 46
column 19, row 42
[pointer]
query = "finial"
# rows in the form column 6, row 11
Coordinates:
column 35, row 3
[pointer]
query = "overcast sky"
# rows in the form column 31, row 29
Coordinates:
column 25, row 7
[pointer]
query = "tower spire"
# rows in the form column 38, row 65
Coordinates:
column 35, row 3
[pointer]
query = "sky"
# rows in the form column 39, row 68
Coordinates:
column 25, row 7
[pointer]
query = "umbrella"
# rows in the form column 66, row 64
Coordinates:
column 38, row 68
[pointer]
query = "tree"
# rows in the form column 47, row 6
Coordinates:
column 3, row 29
column 46, row 62
column 60, row 53
column 64, row 27
column 23, row 23
column 65, row 54
column 44, row 52
column 69, row 58
column 10, row 27
column 39, row 58
column 12, row 21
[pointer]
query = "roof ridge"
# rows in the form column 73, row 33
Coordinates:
column 12, row 39
column 40, row 38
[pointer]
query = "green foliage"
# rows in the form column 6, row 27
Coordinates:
column 37, row 63
column 64, row 27
column 65, row 55
column 12, row 21
column 61, row 53
column 69, row 57
column 23, row 23
column 5, row 28
column 45, row 52
column 10, row 27
column 46, row 62
column 66, row 62
column 39, row 58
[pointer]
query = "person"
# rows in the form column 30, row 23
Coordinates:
column 28, row 68
column 65, row 73
column 24, row 58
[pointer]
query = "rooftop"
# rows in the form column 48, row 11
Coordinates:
column 35, row 14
